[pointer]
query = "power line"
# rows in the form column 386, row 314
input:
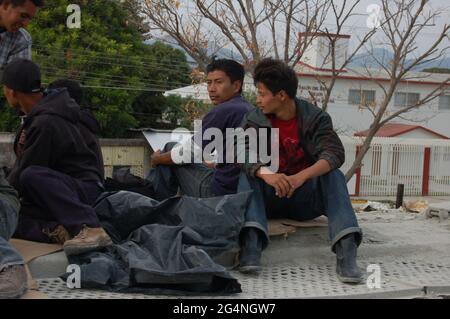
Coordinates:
column 116, row 55
column 91, row 75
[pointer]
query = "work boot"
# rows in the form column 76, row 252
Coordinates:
column 251, row 248
column 346, row 268
column 59, row 235
column 13, row 282
column 87, row 240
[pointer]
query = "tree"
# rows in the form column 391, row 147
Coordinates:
column 103, row 55
column 259, row 29
column 243, row 25
column 404, row 22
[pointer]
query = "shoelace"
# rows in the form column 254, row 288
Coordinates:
column 83, row 233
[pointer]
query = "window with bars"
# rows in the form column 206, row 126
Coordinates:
column 444, row 102
column 403, row 99
column 361, row 97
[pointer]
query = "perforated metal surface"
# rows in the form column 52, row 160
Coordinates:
column 398, row 279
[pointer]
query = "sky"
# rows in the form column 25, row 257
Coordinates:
column 357, row 26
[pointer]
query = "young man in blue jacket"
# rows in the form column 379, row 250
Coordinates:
column 308, row 182
column 225, row 80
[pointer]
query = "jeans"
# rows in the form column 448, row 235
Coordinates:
column 324, row 195
column 9, row 208
column 195, row 180
column 192, row 179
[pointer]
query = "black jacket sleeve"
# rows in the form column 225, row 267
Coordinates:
column 325, row 143
column 37, row 151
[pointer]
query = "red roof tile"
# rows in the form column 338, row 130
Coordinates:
column 396, row 129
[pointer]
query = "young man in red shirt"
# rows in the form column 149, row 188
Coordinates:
column 308, row 182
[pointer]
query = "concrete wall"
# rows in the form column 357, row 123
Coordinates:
column 133, row 153
column 6, row 149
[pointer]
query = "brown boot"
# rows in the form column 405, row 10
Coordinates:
column 13, row 282
column 88, row 239
column 59, row 235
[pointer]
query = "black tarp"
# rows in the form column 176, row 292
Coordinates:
column 173, row 246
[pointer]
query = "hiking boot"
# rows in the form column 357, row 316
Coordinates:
column 346, row 268
column 87, row 240
column 59, row 235
column 13, row 282
column 250, row 255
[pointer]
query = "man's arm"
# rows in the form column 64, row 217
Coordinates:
column 159, row 158
column 23, row 48
column 37, row 151
column 285, row 185
column 278, row 181
column 321, row 167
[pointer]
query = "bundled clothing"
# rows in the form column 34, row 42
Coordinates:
column 177, row 246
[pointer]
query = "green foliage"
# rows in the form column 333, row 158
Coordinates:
column 108, row 56
column 9, row 121
column 437, row 70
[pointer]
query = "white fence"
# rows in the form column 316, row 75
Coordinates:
column 422, row 165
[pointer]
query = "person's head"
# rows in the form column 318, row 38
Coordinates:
column 21, row 81
column 225, row 79
column 72, row 86
column 277, row 85
column 16, row 14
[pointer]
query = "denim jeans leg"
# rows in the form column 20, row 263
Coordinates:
column 8, row 222
column 192, row 179
column 256, row 212
column 326, row 195
column 338, row 207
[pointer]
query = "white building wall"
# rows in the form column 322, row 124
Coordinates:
column 349, row 119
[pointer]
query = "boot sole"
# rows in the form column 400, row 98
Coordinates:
column 249, row 269
column 350, row 280
column 77, row 250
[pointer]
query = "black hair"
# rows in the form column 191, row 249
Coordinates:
column 15, row 3
column 276, row 76
column 234, row 70
column 72, row 86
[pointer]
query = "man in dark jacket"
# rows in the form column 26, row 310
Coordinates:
column 307, row 182
column 55, row 171
column 89, row 126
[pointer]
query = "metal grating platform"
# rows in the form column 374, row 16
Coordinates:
column 398, row 279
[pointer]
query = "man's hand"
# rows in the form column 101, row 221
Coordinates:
column 155, row 158
column 278, row 181
column 296, row 181
column 210, row 164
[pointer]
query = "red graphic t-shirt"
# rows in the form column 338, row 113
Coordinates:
column 291, row 157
